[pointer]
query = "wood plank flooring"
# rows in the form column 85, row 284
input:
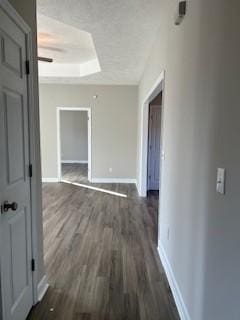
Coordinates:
column 75, row 172
column 101, row 257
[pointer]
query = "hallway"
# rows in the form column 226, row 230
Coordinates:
column 101, row 258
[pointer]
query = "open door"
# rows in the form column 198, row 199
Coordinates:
column 15, row 218
column 154, row 136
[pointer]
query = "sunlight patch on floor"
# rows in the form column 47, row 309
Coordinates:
column 95, row 189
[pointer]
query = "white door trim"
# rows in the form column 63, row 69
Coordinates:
column 153, row 92
column 33, row 137
column 89, row 111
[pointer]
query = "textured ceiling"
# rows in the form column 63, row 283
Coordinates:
column 123, row 33
column 71, row 49
column 64, row 43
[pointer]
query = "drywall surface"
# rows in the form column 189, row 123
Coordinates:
column 27, row 9
column 114, row 126
column 74, row 135
column 201, row 133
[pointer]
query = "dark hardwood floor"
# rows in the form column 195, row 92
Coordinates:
column 101, row 257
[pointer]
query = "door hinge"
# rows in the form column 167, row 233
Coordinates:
column 33, row 265
column 30, row 170
column 27, row 66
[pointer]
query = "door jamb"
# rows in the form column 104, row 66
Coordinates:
column 89, row 112
column 153, row 92
column 33, row 142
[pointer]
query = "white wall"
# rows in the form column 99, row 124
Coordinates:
column 114, row 127
column 74, row 136
column 201, row 133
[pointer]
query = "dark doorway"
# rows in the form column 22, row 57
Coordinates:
column 154, row 146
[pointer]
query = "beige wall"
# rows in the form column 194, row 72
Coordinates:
column 201, row 133
column 27, row 9
column 114, row 127
column 74, row 135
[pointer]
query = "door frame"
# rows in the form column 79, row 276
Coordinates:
column 74, row 109
column 158, row 86
column 34, row 138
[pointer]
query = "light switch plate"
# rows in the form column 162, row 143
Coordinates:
column 221, row 176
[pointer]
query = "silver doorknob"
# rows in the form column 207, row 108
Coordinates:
column 9, row 206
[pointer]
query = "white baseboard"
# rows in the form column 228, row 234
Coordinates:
column 74, row 161
column 50, row 180
column 42, row 288
column 113, row 180
column 96, row 180
column 182, row 309
column 139, row 190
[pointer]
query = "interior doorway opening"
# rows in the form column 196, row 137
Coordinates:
column 154, row 144
column 158, row 88
column 74, row 145
column 152, row 149
column 153, row 157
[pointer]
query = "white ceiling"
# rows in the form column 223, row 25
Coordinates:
column 72, row 50
column 64, row 43
column 123, row 32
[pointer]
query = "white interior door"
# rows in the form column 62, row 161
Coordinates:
column 154, row 147
column 15, row 217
